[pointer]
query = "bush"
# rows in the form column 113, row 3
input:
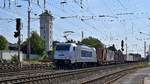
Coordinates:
column 1, row 60
column 14, row 58
column 44, row 57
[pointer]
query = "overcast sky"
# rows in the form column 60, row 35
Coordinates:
column 125, row 18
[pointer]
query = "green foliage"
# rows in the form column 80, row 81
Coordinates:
column 54, row 46
column 113, row 48
column 14, row 58
column 52, row 53
column 3, row 43
column 1, row 60
column 37, row 44
column 54, row 43
column 93, row 42
column 44, row 56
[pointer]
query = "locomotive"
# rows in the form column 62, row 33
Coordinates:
column 71, row 55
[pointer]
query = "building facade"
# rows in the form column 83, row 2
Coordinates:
column 46, row 32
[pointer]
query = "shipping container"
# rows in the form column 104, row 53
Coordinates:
column 110, row 55
column 129, row 57
column 137, row 57
column 119, row 56
column 133, row 57
column 101, row 55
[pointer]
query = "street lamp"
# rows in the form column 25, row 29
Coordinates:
column 145, row 42
column 145, row 34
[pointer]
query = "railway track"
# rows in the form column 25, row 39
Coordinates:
column 111, row 77
column 59, row 77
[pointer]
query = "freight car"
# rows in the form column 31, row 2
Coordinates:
column 119, row 57
column 101, row 56
column 110, row 55
column 131, row 57
column 106, row 56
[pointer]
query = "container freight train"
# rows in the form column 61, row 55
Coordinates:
column 78, row 56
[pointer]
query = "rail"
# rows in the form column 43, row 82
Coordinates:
column 111, row 77
column 58, row 77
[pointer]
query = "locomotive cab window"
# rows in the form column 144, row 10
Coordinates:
column 63, row 47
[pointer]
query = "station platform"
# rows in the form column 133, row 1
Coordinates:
column 141, row 76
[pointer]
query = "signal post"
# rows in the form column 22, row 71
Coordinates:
column 18, row 35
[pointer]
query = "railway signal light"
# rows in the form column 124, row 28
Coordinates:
column 16, row 34
column 122, row 45
column 122, row 49
column 18, row 27
column 18, row 24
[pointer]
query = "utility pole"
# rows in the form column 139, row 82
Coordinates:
column 82, row 35
column 28, row 48
column 4, row 5
column 149, row 49
column 144, row 48
column 126, row 46
column 19, row 41
column 9, row 3
column 44, row 4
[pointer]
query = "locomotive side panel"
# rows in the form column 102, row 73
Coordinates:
column 86, row 54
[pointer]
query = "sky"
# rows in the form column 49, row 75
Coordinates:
column 124, row 19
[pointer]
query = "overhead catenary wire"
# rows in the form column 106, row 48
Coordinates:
column 80, row 20
column 59, row 16
column 88, row 11
column 87, row 23
column 121, row 4
column 70, row 17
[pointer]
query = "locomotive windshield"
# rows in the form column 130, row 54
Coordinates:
column 63, row 47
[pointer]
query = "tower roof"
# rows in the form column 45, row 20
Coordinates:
column 46, row 13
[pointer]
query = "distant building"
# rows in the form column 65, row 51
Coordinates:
column 12, row 46
column 7, row 54
column 46, row 29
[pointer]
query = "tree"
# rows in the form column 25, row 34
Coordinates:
column 113, row 48
column 3, row 43
column 36, row 42
column 93, row 42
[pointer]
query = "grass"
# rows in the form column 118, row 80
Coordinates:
column 31, row 62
